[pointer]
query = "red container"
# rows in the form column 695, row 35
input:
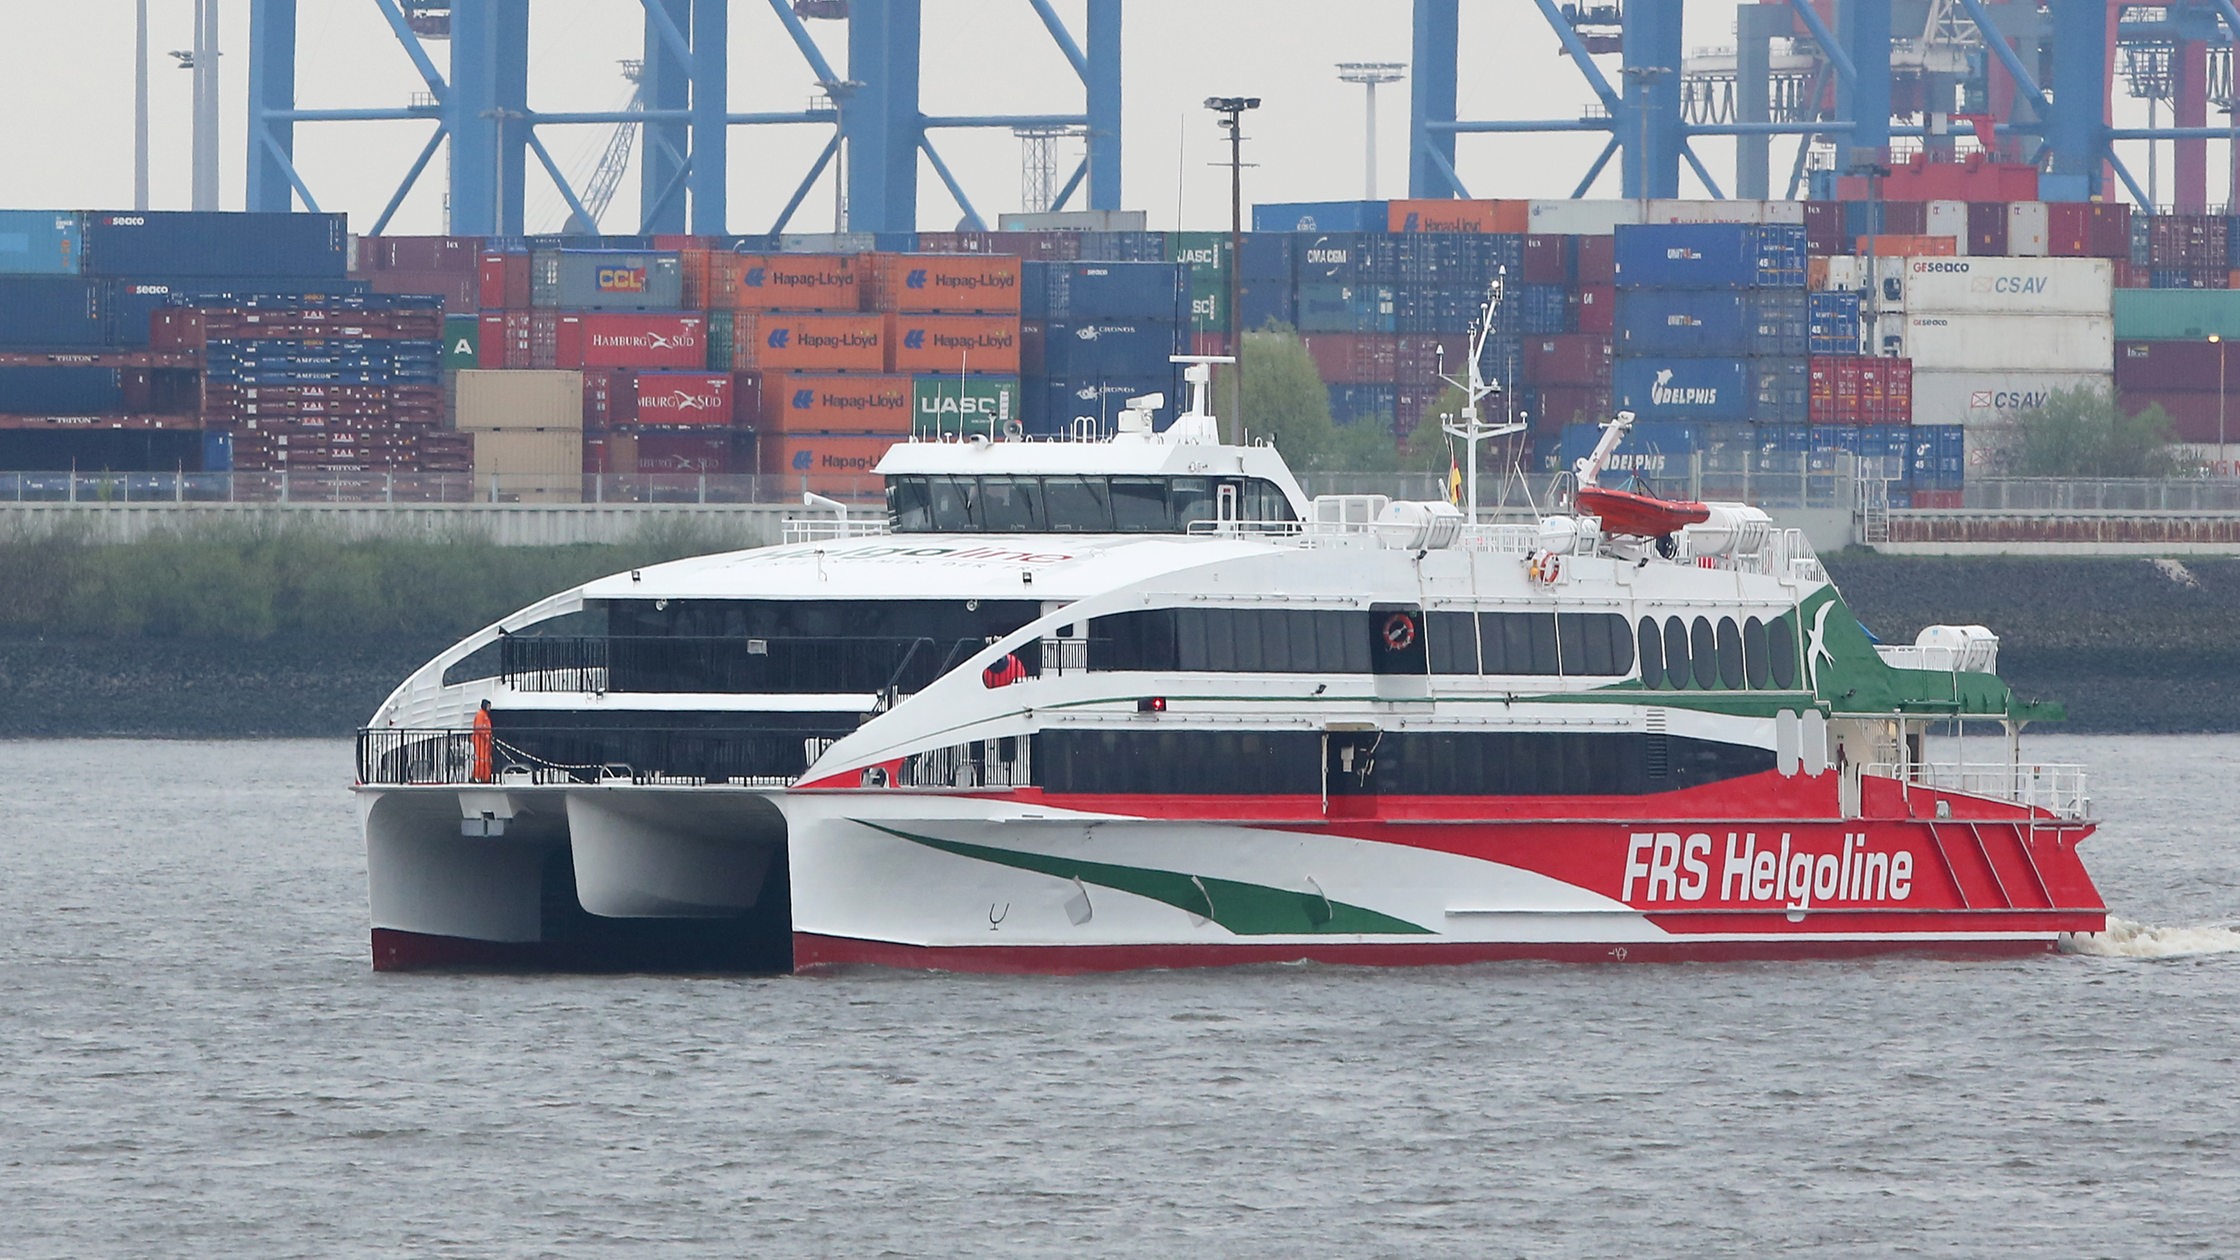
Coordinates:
column 1418, row 357
column 1354, row 358
column 1898, row 391
column 2131, row 275
column 1570, row 404
column 952, row 343
column 1598, row 260
column 2179, row 366
column 627, row 339
column 1906, row 218
column 951, row 283
column 2193, row 415
column 1566, row 359
column 503, row 282
column 786, row 341
column 686, row 451
column 808, row 402
column 1823, row 227
column 1548, row 259
column 1987, row 229
column 700, row 399
column 2088, row 229
column 1594, row 307
column 451, row 255
column 603, row 390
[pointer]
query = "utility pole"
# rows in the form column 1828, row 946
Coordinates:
column 1369, row 74
column 140, row 113
column 1230, row 110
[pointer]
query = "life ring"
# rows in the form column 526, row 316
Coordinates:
column 1550, row 568
column 1399, row 633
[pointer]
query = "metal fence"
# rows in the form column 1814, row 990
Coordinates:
column 2127, row 494
column 401, row 487
column 731, row 666
column 570, row 755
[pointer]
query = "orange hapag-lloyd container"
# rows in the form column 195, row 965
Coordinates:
column 826, row 462
column 952, row 283
column 826, row 402
column 1446, row 215
column 784, row 282
column 787, row 341
column 952, row 343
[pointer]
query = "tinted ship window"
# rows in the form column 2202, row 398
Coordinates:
column 1073, row 505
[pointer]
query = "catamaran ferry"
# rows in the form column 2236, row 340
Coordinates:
column 1140, row 702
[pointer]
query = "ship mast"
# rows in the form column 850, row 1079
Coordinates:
column 1472, row 428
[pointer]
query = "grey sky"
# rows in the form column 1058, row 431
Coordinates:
column 66, row 104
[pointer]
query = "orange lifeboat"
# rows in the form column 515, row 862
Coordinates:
column 1641, row 515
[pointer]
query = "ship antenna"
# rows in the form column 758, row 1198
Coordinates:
column 1473, row 429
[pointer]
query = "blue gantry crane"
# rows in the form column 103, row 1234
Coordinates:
column 478, row 104
column 1856, row 74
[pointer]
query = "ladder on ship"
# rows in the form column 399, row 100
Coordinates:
column 1873, row 510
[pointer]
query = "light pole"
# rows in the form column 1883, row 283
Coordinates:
column 2217, row 340
column 1230, row 110
column 1369, row 74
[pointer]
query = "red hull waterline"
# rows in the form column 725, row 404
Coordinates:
column 395, row 950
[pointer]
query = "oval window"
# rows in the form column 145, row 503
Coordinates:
column 1676, row 652
column 1730, row 654
column 1703, row 653
column 1754, row 652
column 1781, row 653
column 1652, row 654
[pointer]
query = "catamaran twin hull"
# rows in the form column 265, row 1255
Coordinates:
column 1021, row 881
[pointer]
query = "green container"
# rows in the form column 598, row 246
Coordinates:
column 723, row 332
column 1206, row 253
column 1209, row 305
column 978, row 404
column 2176, row 314
column 462, row 341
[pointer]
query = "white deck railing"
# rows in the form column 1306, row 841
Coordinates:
column 2058, row 789
column 830, row 529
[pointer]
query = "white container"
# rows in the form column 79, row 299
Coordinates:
column 1784, row 212
column 1996, row 286
column 2026, row 229
column 1846, row 273
column 1991, row 398
column 1581, row 218
column 1949, row 218
column 1732, row 211
column 2220, row 462
column 2003, row 343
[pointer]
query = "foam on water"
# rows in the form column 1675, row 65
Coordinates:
column 2125, row 939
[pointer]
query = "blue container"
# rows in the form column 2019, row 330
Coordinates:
column 1319, row 216
column 1937, row 456
column 1710, row 255
column 1781, row 438
column 607, row 280
column 1543, row 309
column 1675, row 387
column 1056, row 405
column 217, row 451
column 194, row 243
column 1348, row 258
column 41, row 243
column 1861, row 218
column 1741, row 323
column 1123, row 247
column 1425, row 308
column 1374, row 405
column 1103, row 290
column 60, row 312
column 1650, row 448
column 1262, row 302
column 1833, row 323
column 100, row 450
column 1326, row 306
column 60, row 391
column 1099, row 349
column 1270, row 256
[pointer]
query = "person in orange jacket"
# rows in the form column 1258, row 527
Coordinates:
column 482, row 742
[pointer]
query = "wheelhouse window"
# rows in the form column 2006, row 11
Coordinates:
column 1075, row 504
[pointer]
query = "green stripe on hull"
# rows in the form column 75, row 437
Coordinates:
column 1245, row 909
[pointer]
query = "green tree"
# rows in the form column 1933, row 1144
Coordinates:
column 2083, row 433
column 1286, row 402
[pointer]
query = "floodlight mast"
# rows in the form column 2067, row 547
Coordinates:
column 1231, row 112
column 1473, row 429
